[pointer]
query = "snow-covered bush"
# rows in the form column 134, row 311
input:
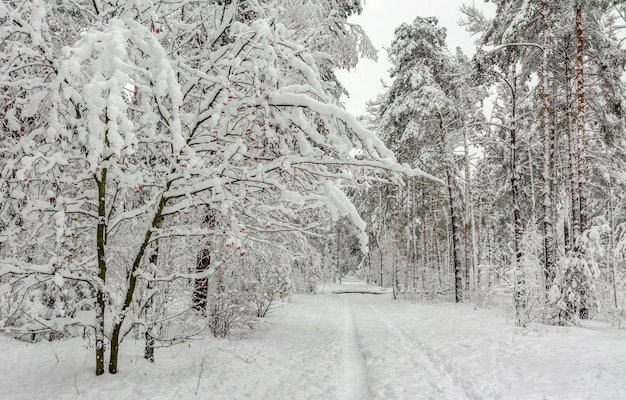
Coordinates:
column 573, row 294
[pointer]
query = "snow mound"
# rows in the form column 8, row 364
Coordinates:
column 351, row 285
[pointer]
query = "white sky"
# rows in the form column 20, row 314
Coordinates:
column 379, row 19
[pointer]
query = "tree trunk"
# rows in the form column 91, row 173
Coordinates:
column 377, row 236
column 200, row 294
column 467, row 245
column 580, row 120
column 490, row 247
column 548, row 148
column 475, row 248
column 394, row 262
column 132, row 282
column 380, row 254
column 102, row 271
column 572, row 162
column 425, row 264
column 370, row 238
column 555, row 163
column 218, row 326
column 533, row 191
column 456, row 256
column 612, row 263
column 433, row 212
column 148, row 353
column 335, row 254
column 520, row 279
column 414, row 235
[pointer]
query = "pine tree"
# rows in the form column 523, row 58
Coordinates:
column 518, row 31
column 424, row 98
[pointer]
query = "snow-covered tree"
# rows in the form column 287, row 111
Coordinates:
column 523, row 37
column 425, row 111
column 131, row 122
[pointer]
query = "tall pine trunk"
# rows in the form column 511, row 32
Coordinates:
column 467, row 244
column 425, row 264
column 520, row 279
column 583, row 168
column 580, row 119
column 394, row 261
column 456, row 256
column 435, row 237
column 549, row 246
column 612, row 261
column 572, row 161
column 370, row 238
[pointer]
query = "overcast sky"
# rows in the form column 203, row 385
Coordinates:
column 379, row 19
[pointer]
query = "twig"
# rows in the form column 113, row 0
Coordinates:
column 75, row 384
column 56, row 356
column 247, row 360
column 200, row 374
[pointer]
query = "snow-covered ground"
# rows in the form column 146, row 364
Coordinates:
column 342, row 346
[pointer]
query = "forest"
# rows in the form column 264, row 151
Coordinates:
column 172, row 168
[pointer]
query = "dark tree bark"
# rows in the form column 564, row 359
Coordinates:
column 520, row 279
column 434, row 206
column 200, row 294
column 148, row 353
column 580, row 119
column 425, row 264
column 414, row 233
column 132, row 282
column 456, row 253
column 572, row 160
column 583, row 171
column 548, row 148
column 102, row 271
column 467, row 225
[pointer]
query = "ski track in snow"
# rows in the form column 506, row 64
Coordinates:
column 355, row 378
column 393, row 357
column 439, row 374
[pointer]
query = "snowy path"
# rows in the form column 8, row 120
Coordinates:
column 342, row 346
column 400, row 366
column 355, row 378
